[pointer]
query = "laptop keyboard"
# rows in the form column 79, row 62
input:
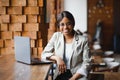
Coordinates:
column 37, row 60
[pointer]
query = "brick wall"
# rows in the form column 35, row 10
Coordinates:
column 55, row 7
column 22, row 18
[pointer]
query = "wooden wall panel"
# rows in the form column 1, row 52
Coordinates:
column 105, row 14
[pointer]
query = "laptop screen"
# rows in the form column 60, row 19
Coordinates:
column 22, row 49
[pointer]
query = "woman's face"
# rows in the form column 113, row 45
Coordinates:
column 66, row 26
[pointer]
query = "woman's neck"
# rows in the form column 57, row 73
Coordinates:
column 69, row 38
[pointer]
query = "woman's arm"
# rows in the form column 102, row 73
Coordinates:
column 49, row 49
column 48, row 53
column 76, row 76
column 60, row 63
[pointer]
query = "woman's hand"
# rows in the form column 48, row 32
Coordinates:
column 61, row 65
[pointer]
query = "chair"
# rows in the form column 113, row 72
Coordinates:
column 52, row 70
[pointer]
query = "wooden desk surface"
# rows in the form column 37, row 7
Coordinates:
column 105, row 75
column 13, row 70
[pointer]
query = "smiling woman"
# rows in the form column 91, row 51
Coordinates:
column 68, row 49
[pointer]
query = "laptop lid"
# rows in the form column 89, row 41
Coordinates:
column 22, row 49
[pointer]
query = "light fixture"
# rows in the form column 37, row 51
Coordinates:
column 100, row 4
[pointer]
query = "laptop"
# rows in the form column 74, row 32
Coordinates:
column 23, row 51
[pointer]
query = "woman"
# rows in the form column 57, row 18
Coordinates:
column 68, row 49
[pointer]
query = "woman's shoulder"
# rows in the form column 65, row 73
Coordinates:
column 81, row 37
column 57, row 34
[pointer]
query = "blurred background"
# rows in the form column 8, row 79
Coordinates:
column 37, row 20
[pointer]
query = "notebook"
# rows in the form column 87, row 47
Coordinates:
column 23, row 51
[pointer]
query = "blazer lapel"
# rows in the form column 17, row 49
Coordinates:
column 75, row 42
column 61, row 47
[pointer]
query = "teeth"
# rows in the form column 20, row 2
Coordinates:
column 65, row 30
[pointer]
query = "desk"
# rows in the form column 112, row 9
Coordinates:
column 10, row 69
column 104, row 76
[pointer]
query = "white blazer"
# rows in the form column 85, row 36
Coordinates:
column 80, row 52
